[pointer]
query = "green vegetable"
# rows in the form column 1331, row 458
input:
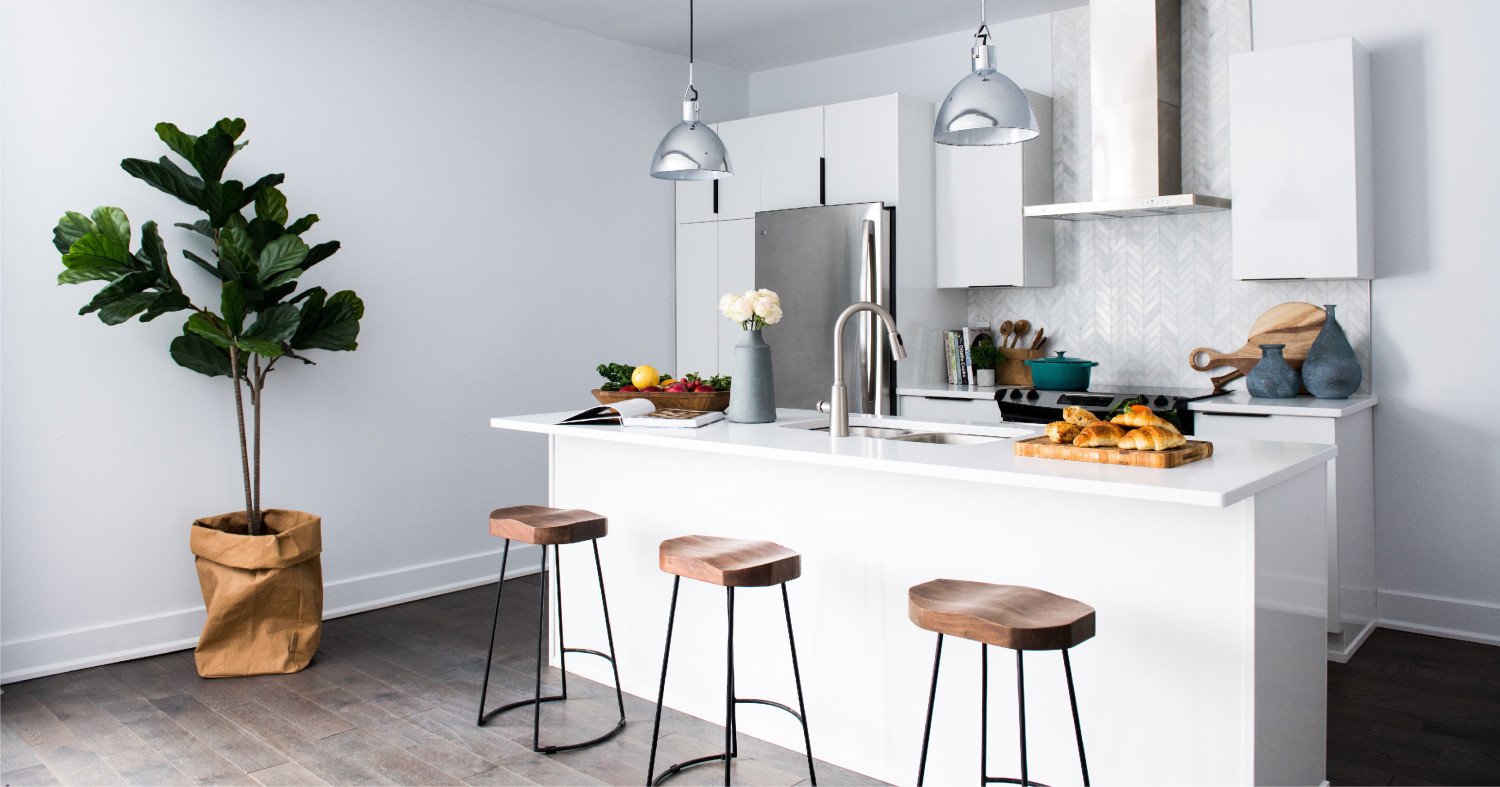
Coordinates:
column 719, row 382
column 615, row 375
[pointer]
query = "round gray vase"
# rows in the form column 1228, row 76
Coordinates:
column 752, row 397
column 1331, row 370
column 1273, row 377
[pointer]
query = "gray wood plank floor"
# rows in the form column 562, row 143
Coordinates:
column 390, row 699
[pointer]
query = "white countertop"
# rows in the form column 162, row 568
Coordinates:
column 1240, row 402
column 1237, row 470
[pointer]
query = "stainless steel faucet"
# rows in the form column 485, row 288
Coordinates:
column 838, row 404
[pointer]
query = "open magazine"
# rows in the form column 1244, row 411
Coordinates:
column 642, row 412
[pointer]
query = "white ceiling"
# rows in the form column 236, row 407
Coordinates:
column 752, row 35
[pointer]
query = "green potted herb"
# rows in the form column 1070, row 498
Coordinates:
column 986, row 357
column 259, row 569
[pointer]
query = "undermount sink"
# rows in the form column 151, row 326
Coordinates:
column 885, row 432
column 944, row 438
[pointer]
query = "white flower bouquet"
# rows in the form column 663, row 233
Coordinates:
column 753, row 310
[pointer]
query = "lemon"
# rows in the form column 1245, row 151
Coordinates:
column 645, row 377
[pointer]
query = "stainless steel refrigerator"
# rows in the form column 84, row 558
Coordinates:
column 820, row 260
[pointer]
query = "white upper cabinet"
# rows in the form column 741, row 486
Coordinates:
column 981, row 238
column 861, row 145
column 739, row 194
column 790, row 158
column 1299, row 126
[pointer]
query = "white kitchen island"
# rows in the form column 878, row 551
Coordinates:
column 1209, row 581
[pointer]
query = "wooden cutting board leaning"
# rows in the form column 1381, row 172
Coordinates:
column 1293, row 324
column 1043, row 448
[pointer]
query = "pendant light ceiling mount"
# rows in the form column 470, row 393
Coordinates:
column 985, row 107
column 690, row 150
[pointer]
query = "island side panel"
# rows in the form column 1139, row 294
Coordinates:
column 1165, row 689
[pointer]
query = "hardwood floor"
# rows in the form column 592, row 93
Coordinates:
column 391, row 699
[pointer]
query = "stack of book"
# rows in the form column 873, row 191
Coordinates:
column 958, row 356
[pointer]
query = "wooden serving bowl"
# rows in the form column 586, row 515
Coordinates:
column 718, row 400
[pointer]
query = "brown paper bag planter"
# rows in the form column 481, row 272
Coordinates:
column 264, row 594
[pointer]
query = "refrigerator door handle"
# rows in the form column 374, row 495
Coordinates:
column 868, row 340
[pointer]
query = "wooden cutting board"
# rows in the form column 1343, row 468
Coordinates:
column 1293, row 324
column 1044, row 448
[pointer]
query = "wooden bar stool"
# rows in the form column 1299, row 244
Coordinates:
column 728, row 563
column 550, row 527
column 1006, row 616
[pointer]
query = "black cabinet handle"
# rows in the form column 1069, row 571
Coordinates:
column 1231, row 415
column 716, row 197
column 822, row 180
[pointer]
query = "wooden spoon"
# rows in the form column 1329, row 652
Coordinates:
column 1005, row 330
column 1022, row 328
column 1041, row 336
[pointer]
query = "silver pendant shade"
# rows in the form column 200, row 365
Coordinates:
column 985, row 107
column 690, row 150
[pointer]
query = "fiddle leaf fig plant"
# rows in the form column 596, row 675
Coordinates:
column 257, row 258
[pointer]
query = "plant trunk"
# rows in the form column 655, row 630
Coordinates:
column 257, row 384
column 252, row 515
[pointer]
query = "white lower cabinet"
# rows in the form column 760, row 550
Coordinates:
column 1351, row 508
column 945, row 408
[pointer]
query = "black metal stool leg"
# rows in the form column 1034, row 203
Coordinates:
column 791, row 642
column 729, row 737
column 937, row 659
column 1083, row 762
column 661, row 691
column 489, row 657
column 562, row 643
column 1021, row 703
column 984, row 713
column 541, row 646
column 609, row 634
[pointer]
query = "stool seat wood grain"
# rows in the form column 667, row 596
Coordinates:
column 547, row 526
column 1006, row 616
column 730, row 562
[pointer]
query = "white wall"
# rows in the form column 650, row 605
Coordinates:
column 1437, row 445
column 491, row 193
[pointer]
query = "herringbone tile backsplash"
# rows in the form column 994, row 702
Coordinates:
column 1137, row 295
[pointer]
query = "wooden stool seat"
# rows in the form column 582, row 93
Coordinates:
column 1006, row 616
column 730, row 562
column 547, row 526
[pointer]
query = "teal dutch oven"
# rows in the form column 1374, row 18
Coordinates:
column 1060, row 373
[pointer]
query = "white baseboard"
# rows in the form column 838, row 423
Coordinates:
column 1474, row 621
column 65, row 651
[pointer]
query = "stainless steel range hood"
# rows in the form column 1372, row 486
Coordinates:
column 1135, row 69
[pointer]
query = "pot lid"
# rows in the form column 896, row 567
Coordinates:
column 1060, row 359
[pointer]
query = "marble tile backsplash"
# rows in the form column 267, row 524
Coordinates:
column 1137, row 295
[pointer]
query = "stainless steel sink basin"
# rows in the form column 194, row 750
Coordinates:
column 871, row 431
column 944, row 438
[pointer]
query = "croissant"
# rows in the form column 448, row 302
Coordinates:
column 1078, row 416
column 1100, row 434
column 1062, row 431
column 1152, row 438
column 1140, row 415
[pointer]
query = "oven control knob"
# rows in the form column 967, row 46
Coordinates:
column 1015, row 393
column 1159, row 401
column 1033, row 395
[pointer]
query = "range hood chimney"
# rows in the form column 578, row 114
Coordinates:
column 1135, row 69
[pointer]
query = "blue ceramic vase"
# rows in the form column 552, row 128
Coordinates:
column 1273, row 377
column 752, row 397
column 1331, row 370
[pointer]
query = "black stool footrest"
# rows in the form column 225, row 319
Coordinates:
column 752, row 701
column 518, row 704
column 673, row 770
column 1011, row 780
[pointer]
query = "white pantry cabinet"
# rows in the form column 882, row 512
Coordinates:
column 697, row 295
column 1300, row 157
column 736, row 272
column 982, row 238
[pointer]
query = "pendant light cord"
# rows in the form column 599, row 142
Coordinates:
column 982, row 35
column 692, row 92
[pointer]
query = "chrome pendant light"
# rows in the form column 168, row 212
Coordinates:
column 691, row 150
column 985, row 107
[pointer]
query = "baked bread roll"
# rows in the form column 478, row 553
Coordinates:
column 1152, row 438
column 1100, row 434
column 1139, row 415
column 1078, row 416
column 1062, row 431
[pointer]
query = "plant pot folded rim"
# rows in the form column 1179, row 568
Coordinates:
column 292, row 537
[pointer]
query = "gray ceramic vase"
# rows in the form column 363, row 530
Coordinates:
column 1331, row 370
column 752, row 397
column 1273, row 377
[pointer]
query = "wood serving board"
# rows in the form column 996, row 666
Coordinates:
column 1044, row 448
column 718, row 400
column 1293, row 324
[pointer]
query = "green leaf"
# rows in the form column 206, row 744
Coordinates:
column 200, row 226
column 259, row 347
column 287, row 251
column 120, row 289
column 233, row 263
column 263, row 231
column 270, row 204
column 222, row 200
column 156, row 254
column 166, row 302
column 303, row 224
column 194, row 352
column 95, row 257
column 276, row 324
column 180, row 142
column 70, row 228
column 205, row 265
column 330, row 325
column 232, row 304
column 234, row 128
column 236, row 233
column 211, row 153
column 209, row 327
column 113, row 223
column 283, row 278
column 125, row 308
column 254, row 190
column 167, row 177
column 320, row 252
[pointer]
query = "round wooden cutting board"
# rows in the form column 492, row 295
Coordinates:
column 1294, row 324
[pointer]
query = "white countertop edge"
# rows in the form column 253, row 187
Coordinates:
column 1242, row 402
column 1120, row 489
